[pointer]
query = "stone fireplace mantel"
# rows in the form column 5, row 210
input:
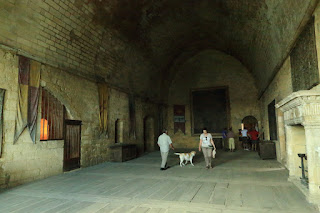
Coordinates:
column 301, row 107
column 301, row 113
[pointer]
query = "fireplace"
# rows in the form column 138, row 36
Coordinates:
column 301, row 112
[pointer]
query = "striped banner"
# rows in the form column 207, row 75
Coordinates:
column 33, row 98
column 28, row 97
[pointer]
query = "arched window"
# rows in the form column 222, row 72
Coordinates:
column 249, row 122
column 52, row 116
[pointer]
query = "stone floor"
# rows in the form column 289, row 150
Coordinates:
column 239, row 182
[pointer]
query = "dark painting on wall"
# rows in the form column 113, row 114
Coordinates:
column 304, row 61
column 2, row 91
column 210, row 109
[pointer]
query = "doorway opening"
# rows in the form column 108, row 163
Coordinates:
column 72, row 145
column 250, row 122
column 148, row 135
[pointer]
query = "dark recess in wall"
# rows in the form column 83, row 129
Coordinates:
column 304, row 61
column 210, row 110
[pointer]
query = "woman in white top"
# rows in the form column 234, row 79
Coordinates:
column 206, row 144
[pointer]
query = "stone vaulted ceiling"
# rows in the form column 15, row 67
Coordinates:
column 134, row 44
column 259, row 33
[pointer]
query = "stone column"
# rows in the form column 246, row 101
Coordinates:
column 282, row 156
column 313, row 143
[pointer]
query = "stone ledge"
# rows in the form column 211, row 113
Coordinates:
column 295, row 95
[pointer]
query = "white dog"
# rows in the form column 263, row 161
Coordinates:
column 186, row 157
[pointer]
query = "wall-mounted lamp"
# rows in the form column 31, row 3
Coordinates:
column 44, row 129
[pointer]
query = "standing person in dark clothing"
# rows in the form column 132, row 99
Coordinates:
column 254, row 136
column 224, row 138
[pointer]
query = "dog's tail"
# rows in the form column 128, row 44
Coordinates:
column 177, row 153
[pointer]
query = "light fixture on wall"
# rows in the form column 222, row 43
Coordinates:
column 242, row 126
column 44, row 130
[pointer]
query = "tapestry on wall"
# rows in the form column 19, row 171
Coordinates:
column 103, row 107
column 210, row 109
column 304, row 60
column 132, row 115
column 28, row 97
column 2, row 91
column 179, row 118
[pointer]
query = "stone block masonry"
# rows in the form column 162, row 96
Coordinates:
column 25, row 161
column 73, row 49
column 210, row 69
column 64, row 34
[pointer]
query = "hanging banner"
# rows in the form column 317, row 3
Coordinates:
column 33, row 100
column 28, row 97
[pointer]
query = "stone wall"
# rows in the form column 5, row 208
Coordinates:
column 80, row 96
column 69, row 35
column 55, row 31
column 212, row 69
column 75, row 48
column 25, row 161
column 280, row 87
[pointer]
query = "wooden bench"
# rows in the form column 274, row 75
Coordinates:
column 267, row 150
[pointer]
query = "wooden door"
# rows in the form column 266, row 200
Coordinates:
column 72, row 145
column 149, row 142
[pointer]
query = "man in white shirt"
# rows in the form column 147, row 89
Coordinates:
column 165, row 143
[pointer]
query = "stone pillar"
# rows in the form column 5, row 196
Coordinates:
column 282, row 156
column 313, row 145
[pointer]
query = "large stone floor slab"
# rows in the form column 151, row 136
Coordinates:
column 239, row 182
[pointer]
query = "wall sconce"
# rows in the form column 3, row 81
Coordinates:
column 242, row 126
column 44, row 129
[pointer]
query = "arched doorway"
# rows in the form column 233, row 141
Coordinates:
column 148, row 134
column 250, row 122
